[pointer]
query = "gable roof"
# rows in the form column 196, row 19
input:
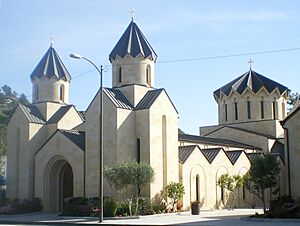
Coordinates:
column 290, row 115
column 243, row 130
column 133, row 42
column 252, row 156
column 32, row 113
column 234, row 155
column 278, row 148
column 118, row 99
column 211, row 153
column 51, row 65
column 252, row 80
column 59, row 114
column 77, row 137
column 184, row 152
column 215, row 141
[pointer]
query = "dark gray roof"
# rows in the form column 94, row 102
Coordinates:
column 32, row 113
column 211, row 153
column 215, row 141
column 251, row 80
column 278, row 148
column 133, row 42
column 51, row 65
column 117, row 97
column 251, row 156
column 149, row 98
column 185, row 151
column 59, row 114
column 234, row 155
column 77, row 137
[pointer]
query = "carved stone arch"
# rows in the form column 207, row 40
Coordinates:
column 200, row 171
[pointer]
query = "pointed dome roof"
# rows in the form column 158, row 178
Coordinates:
column 51, row 65
column 251, row 80
column 133, row 42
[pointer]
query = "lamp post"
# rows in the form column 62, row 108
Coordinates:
column 100, row 71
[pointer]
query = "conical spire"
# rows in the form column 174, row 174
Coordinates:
column 51, row 65
column 133, row 42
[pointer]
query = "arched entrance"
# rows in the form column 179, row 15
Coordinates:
column 59, row 184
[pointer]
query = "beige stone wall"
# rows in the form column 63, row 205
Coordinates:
column 134, row 93
column 49, row 90
column 293, row 125
column 133, row 71
column 58, row 149
column 48, row 109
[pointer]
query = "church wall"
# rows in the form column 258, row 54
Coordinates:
column 59, row 147
column 17, row 149
column 48, row 108
column 49, row 89
column 134, row 93
column 133, row 71
column 293, row 125
column 240, row 136
column 70, row 120
column 160, row 108
column 126, row 137
column 92, row 143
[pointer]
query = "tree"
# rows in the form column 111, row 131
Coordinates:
column 263, row 174
column 230, row 183
column 293, row 97
column 127, row 179
column 174, row 191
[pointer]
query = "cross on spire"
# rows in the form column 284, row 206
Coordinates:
column 51, row 40
column 250, row 63
column 132, row 11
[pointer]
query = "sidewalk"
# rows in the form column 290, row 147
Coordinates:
column 158, row 219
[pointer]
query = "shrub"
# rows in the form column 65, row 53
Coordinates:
column 144, row 206
column 283, row 207
column 158, row 208
column 122, row 210
column 109, row 207
column 76, row 206
column 17, row 206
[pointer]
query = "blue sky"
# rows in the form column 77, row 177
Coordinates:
column 177, row 30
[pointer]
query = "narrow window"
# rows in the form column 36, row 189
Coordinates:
column 248, row 108
column 120, row 74
column 148, row 75
column 197, row 188
column 225, row 109
column 222, row 193
column 36, row 91
column 274, row 109
column 164, row 149
column 62, row 93
column 262, row 111
column 283, row 110
column 244, row 192
column 236, row 109
column 138, row 148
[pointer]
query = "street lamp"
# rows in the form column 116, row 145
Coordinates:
column 78, row 56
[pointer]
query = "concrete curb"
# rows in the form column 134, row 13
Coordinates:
column 253, row 219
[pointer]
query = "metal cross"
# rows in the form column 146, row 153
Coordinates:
column 51, row 40
column 250, row 62
column 132, row 13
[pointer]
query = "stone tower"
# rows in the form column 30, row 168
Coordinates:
column 132, row 62
column 50, row 79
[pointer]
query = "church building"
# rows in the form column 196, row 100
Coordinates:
column 53, row 149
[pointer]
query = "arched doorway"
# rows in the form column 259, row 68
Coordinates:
column 59, row 184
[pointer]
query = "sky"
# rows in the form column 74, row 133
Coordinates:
column 187, row 35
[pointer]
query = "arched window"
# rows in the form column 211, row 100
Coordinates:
column 225, row 111
column 62, row 93
column 148, row 75
column 262, row 110
column 283, row 110
column 120, row 74
column 236, row 109
column 248, row 108
column 197, row 188
column 164, row 149
column 274, row 108
column 36, row 91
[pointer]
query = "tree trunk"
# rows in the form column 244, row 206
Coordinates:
column 263, row 199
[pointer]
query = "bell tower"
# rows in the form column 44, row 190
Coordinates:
column 132, row 59
column 50, row 79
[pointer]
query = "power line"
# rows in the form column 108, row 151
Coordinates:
column 209, row 58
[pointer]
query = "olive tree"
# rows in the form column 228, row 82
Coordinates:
column 174, row 191
column 127, row 179
column 263, row 174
